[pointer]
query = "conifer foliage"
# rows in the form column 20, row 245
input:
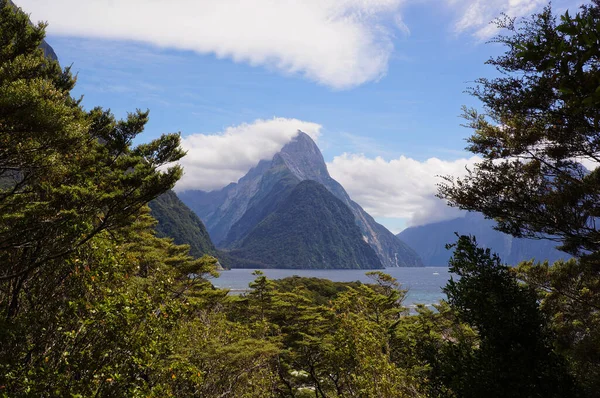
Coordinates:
column 87, row 293
column 94, row 304
column 540, row 121
column 539, row 136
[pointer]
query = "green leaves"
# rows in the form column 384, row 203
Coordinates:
column 89, row 296
column 335, row 337
column 514, row 356
column 542, row 110
column 569, row 292
column 92, row 303
column 539, row 125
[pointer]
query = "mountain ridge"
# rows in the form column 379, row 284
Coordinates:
column 430, row 240
column 309, row 229
column 176, row 221
column 385, row 244
column 234, row 210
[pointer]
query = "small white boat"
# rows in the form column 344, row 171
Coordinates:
column 436, row 273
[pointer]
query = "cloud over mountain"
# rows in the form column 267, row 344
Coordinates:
column 399, row 188
column 215, row 160
column 338, row 43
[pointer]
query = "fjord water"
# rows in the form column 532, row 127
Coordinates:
column 424, row 284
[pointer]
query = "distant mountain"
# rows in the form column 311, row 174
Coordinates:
column 49, row 51
column 305, row 160
column 430, row 240
column 178, row 222
column 310, row 228
column 232, row 213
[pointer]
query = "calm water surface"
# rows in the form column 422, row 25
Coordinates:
column 423, row 284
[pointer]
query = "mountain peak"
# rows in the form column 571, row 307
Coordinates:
column 302, row 136
column 303, row 158
column 242, row 209
column 301, row 142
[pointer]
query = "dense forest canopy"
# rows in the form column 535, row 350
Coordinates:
column 94, row 304
column 539, row 127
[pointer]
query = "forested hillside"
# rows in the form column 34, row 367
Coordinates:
column 177, row 221
column 310, row 228
column 94, row 304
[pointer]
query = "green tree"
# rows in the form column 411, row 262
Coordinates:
column 359, row 351
column 514, row 355
column 540, row 119
column 433, row 345
column 570, row 295
column 66, row 174
column 341, row 347
column 218, row 357
column 89, row 297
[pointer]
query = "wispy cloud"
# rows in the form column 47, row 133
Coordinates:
column 476, row 16
column 361, row 144
column 338, row 43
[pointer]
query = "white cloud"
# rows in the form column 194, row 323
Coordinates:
column 215, row 160
column 401, row 188
column 338, row 43
column 588, row 163
column 476, row 15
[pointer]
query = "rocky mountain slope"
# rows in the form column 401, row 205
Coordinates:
column 310, row 228
column 230, row 214
column 430, row 240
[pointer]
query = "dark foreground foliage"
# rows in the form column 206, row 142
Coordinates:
column 540, row 125
column 94, row 304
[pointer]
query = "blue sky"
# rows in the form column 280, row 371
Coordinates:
column 380, row 82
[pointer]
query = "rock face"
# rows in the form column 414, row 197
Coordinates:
column 178, row 222
column 310, row 228
column 231, row 213
column 430, row 240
